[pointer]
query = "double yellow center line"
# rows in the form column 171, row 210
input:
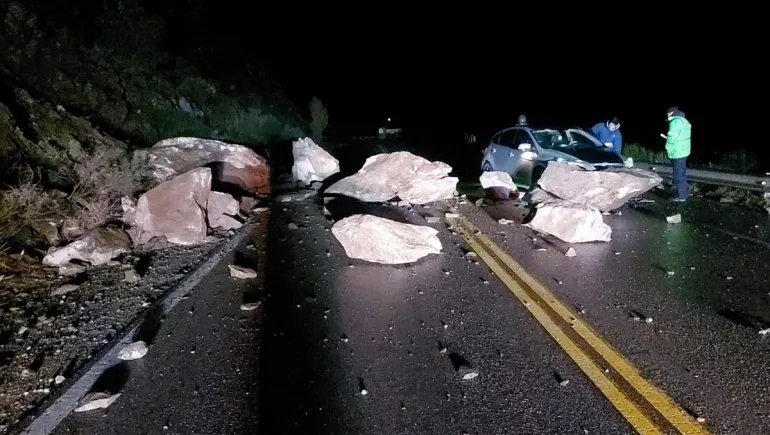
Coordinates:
column 647, row 408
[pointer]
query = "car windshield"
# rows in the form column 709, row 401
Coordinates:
column 560, row 139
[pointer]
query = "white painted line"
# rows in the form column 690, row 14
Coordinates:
column 47, row 421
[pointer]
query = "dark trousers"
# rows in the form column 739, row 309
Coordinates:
column 679, row 167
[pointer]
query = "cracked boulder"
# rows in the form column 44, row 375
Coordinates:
column 400, row 174
column 605, row 190
column 311, row 162
column 232, row 164
column 175, row 210
column 384, row 241
column 571, row 222
column 221, row 209
column 97, row 247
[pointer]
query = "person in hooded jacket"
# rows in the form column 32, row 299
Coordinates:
column 608, row 133
column 678, row 149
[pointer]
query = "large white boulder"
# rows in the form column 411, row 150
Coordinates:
column 571, row 222
column 605, row 189
column 98, row 246
column 311, row 162
column 399, row 174
column 381, row 240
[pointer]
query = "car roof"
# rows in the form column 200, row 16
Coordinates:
column 545, row 127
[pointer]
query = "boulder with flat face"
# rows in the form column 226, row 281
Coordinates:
column 571, row 222
column 97, row 247
column 381, row 240
column 311, row 162
column 175, row 209
column 233, row 164
column 399, row 174
column 221, row 209
column 606, row 189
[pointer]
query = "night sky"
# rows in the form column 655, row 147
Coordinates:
column 480, row 77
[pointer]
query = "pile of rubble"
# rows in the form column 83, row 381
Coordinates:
column 400, row 176
column 571, row 201
column 181, row 209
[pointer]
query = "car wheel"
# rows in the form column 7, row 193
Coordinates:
column 487, row 167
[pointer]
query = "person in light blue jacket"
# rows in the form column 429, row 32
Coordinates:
column 608, row 133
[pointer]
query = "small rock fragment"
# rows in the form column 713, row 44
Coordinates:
column 96, row 401
column 251, row 306
column 136, row 350
column 59, row 379
column 452, row 216
column 63, row 290
column 432, row 219
column 764, row 331
column 131, row 276
column 242, row 272
column 505, row 221
column 70, row 269
column 570, row 253
column 293, row 226
column 564, row 383
column 468, row 373
column 675, row 219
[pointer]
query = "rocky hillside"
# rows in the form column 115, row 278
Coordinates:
column 72, row 79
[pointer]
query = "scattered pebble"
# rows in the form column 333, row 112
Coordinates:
column 570, row 253
column 251, row 306
column 63, row 290
column 97, row 401
column 131, row 276
column 136, row 350
column 293, row 226
column 564, row 383
column 59, row 379
column 242, row 272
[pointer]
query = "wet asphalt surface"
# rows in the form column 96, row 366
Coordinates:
column 331, row 327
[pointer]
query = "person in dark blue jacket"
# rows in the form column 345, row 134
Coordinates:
column 608, row 133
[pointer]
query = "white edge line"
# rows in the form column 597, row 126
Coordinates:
column 49, row 419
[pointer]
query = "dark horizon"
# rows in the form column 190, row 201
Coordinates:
column 481, row 86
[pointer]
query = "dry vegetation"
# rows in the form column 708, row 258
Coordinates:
column 99, row 181
column 102, row 179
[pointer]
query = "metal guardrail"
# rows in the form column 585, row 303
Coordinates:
column 740, row 181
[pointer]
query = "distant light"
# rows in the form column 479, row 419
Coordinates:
column 388, row 119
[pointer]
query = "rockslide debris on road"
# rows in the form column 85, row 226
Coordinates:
column 234, row 164
column 498, row 184
column 400, row 174
column 604, row 190
column 381, row 240
column 570, row 200
column 311, row 162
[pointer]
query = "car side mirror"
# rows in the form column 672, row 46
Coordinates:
column 525, row 147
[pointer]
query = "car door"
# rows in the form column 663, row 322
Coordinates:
column 523, row 161
column 498, row 151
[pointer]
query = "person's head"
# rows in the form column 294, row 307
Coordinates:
column 522, row 119
column 613, row 123
column 671, row 112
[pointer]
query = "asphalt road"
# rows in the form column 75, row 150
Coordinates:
column 331, row 327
